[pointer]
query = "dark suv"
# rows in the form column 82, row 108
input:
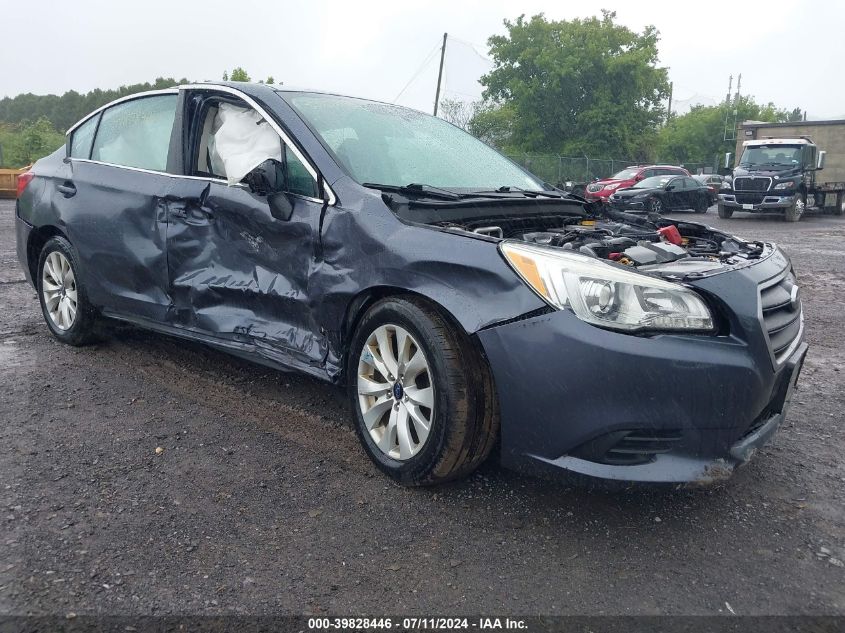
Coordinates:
column 601, row 190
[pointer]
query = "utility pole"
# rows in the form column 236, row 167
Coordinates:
column 669, row 109
column 730, row 130
column 440, row 74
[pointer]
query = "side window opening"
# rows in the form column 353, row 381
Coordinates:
column 136, row 133
column 83, row 138
column 235, row 139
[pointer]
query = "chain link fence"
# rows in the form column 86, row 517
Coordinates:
column 559, row 170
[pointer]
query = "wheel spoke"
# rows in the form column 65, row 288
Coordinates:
column 415, row 366
column 48, row 285
column 388, row 438
column 403, row 347
column 420, row 423
column 385, row 351
column 403, row 433
column 374, row 414
column 69, row 279
column 71, row 294
column 52, row 300
column 370, row 387
column 63, row 310
column 422, row 397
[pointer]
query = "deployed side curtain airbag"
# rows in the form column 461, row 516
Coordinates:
column 240, row 141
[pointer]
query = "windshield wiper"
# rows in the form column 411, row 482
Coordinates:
column 417, row 189
column 528, row 192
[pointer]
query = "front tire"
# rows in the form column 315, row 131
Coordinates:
column 61, row 292
column 794, row 212
column 724, row 212
column 701, row 204
column 422, row 396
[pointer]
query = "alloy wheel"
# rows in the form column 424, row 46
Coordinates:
column 58, row 285
column 395, row 392
column 656, row 205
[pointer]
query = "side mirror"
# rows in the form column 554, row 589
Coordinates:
column 638, row 177
column 820, row 164
column 268, row 179
column 728, row 157
column 670, row 187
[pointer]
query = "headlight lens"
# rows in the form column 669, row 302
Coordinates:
column 606, row 295
column 785, row 185
column 612, row 186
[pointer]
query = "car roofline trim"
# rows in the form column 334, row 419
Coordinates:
column 137, row 95
column 332, row 199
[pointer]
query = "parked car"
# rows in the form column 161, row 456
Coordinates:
column 659, row 194
column 460, row 301
column 601, row 190
column 714, row 183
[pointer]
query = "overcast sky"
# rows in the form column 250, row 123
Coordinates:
column 788, row 52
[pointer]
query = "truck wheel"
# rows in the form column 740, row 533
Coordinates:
column 793, row 212
column 724, row 212
column 422, row 395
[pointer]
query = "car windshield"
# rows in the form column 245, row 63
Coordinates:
column 391, row 145
column 653, row 183
column 771, row 155
column 625, row 174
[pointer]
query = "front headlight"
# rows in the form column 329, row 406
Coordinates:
column 785, row 185
column 606, row 295
column 612, row 186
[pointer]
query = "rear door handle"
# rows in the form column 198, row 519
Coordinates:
column 67, row 189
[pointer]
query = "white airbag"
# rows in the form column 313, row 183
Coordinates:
column 240, row 141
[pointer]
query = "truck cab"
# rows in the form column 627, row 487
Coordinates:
column 773, row 175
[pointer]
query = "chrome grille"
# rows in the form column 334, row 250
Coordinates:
column 782, row 315
column 752, row 183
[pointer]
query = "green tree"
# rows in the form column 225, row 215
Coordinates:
column 239, row 74
column 697, row 136
column 270, row 80
column 29, row 141
column 576, row 86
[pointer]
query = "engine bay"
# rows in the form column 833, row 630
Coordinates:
column 650, row 243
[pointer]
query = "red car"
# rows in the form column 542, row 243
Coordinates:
column 601, row 190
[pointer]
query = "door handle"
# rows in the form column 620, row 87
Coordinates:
column 67, row 189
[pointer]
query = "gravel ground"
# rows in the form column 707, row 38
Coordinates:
column 262, row 502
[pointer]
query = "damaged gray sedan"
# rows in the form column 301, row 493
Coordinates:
column 462, row 302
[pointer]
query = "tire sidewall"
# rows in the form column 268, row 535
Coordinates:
column 403, row 314
column 80, row 328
